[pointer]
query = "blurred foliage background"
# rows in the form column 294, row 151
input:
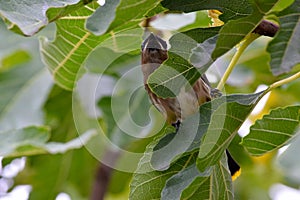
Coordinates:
column 51, row 161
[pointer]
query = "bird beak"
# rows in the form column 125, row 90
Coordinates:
column 154, row 42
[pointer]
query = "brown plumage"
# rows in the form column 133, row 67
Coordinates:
column 154, row 53
column 187, row 102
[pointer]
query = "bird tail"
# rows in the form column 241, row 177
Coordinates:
column 234, row 167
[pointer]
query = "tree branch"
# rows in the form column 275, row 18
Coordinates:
column 103, row 175
column 265, row 28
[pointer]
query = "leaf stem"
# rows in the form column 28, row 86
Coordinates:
column 248, row 40
column 283, row 81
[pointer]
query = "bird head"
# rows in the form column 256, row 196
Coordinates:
column 154, row 50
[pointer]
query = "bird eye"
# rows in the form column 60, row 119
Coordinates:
column 152, row 49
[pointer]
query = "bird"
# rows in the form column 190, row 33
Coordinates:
column 187, row 102
column 153, row 53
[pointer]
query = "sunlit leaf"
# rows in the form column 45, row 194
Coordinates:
column 272, row 131
column 158, row 9
column 202, row 20
column 65, row 56
column 124, row 41
column 120, row 15
column 284, row 49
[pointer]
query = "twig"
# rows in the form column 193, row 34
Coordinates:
column 283, row 81
column 265, row 28
column 248, row 40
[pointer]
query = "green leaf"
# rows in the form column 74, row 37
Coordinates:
column 123, row 123
column 111, row 61
column 235, row 31
column 16, row 58
column 217, row 186
column 127, row 15
column 289, row 161
column 232, row 9
column 272, row 131
column 228, row 114
column 119, row 15
column 22, row 99
column 173, row 145
column 166, row 80
column 124, row 113
column 177, row 70
column 28, row 17
column 281, row 5
column 124, row 41
column 33, row 141
column 65, row 56
column 158, row 9
column 202, row 21
column 177, row 183
column 212, row 130
column 100, row 20
column 64, row 134
column 182, row 177
column 106, row 55
column 24, row 85
column 239, row 153
column 147, row 183
column 284, row 48
column 48, row 178
column 201, row 55
column 56, row 147
column 20, row 142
